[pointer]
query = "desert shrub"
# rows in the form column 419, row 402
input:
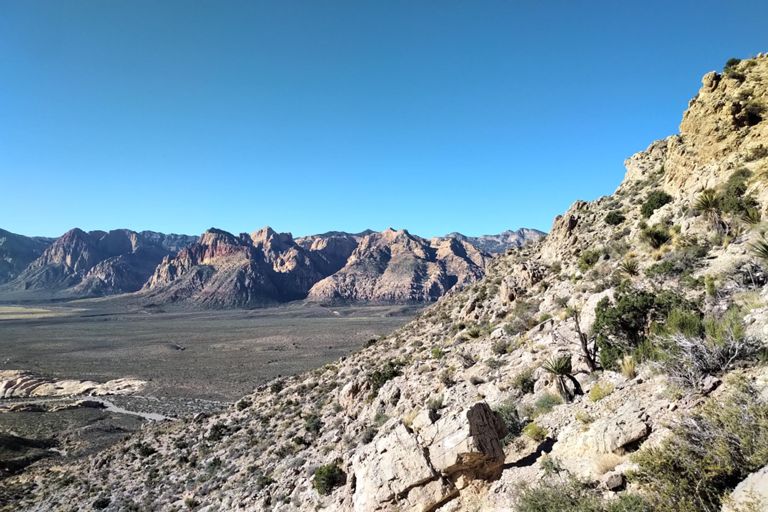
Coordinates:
column 708, row 454
column 507, row 411
column 756, row 153
column 276, row 386
column 260, row 480
column 760, row 249
column 621, row 327
column 656, row 235
column 720, row 343
column 655, row 200
column 387, row 372
column 614, row 218
column 731, row 63
column 435, row 404
column 524, row 381
column 242, row 404
column 683, row 321
column 600, row 390
column 437, row 353
column 545, row 403
column 522, row 315
column 535, row 432
column 574, row 496
column 680, row 263
column 327, row 477
column 368, row 434
column 500, row 347
column 628, row 367
column 733, row 198
column 313, row 424
column 100, row 503
column 145, row 450
column 587, row 259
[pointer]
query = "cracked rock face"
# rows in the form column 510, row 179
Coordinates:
column 403, row 470
column 392, row 466
column 466, row 441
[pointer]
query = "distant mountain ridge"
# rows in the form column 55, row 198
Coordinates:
column 220, row 269
column 81, row 263
column 395, row 266
column 17, row 252
column 498, row 244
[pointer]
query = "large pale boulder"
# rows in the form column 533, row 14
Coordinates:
column 467, row 441
column 390, row 469
column 587, row 453
column 751, row 492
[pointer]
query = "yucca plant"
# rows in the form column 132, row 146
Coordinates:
column 751, row 216
column 561, row 368
column 629, row 267
column 708, row 203
column 760, row 249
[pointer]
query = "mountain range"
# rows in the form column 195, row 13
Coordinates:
column 219, row 269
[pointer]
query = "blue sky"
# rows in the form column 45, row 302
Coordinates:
column 435, row 116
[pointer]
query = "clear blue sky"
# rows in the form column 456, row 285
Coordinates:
column 437, row 116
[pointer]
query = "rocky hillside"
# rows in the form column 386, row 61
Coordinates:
column 18, row 251
column 618, row 365
column 395, row 266
column 499, row 244
column 97, row 263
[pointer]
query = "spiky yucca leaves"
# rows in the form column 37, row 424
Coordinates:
column 708, row 203
column 751, row 216
column 760, row 249
column 561, row 368
column 629, row 267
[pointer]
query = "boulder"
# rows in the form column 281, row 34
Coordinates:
column 392, row 467
column 466, row 441
column 610, row 435
column 750, row 494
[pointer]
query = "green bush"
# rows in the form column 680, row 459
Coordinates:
column 507, row 411
column 535, row 432
column 683, row 321
column 313, row 424
column 327, row 477
column 655, row 200
column 708, row 455
column 545, row 403
column 437, row 353
column 573, row 496
column 656, row 235
column 500, row 347
column 587, row 259
column 733, row 198
column 614, row 218
column 731, row 63
column 378, row 378
column 621, row 327
column 524, row 381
